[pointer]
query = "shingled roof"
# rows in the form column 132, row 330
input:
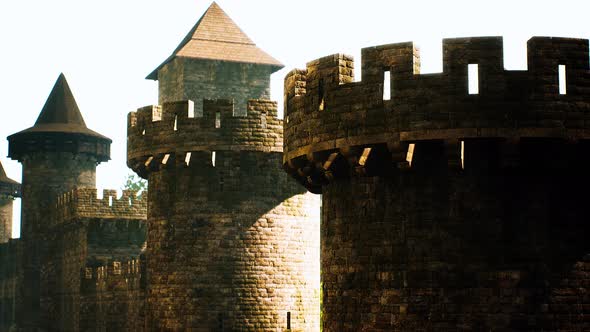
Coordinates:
column 217, row 37
column 59, row 128
column 61, row 114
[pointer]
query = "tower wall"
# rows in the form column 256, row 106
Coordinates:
column 46, row 175
column 233, row 243
column 5, row 219
column 197, row 79
column 444, row 210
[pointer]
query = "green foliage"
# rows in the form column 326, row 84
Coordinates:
column 135, row 183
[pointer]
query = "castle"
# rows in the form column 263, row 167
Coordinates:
column 224, row 240
column 451, row 201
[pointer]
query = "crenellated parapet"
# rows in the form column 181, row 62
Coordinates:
column 84, row 203
column 171, row 134
column 337, row 127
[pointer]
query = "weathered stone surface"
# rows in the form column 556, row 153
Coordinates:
column 445, row 211
column 233, row 243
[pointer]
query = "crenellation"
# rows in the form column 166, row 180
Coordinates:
column 333, row 113
column 149, row 142
column 84, row 203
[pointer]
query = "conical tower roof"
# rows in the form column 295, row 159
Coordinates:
column 7, row 185
column 59, row 118
column 217, row 37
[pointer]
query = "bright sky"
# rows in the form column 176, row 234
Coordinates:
column 106, row 48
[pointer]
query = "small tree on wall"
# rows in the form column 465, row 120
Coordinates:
column 135, row 183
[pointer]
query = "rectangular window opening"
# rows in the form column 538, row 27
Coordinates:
column 213, row 158
column 191, row 109
column 217, row 120
column 110, row 200
column 473, row 78
column 387, row 85
column 562, row 81
column 175, row 122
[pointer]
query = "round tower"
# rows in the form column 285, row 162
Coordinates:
column 9, row 189
column 57, row 154
column 233, row 242
column 456, row 204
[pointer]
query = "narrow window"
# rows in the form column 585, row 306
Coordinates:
column 187, row 159
column 410, row 154
column 562, row 81
column 165, row 159
column 462, row 154
column 175, row 122
column 110, row 200
column 473, row 78
column 387, row 85
column 263, row 120
column 143, row 132
column 288, row 320
column 116, row 267
column 213, row 158
column 217, row 120
column 191, row 109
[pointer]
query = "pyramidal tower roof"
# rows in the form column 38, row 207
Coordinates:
column 60, row 126
column 61, row 113
column 217, row 37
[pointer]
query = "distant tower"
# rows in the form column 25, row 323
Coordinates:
column 233, row 243
column 9, row 189
column 57, row 154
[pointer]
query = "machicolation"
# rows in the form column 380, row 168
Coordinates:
column 161, row 136
column 327, row 113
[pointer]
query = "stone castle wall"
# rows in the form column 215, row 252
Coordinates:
column 232, row 242
column 444, row 210
column 10, row 253
column 5, row 219
column 90, row 233
column 195, row 79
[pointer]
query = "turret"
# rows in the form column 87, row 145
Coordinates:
column 233, row 242
column 57, row 154
column 9, row 189
column 448, row 207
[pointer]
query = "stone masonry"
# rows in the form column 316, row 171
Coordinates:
column 445, row 210
column 233, row 242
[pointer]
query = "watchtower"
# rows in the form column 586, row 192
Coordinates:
column 9, row 189
column 57, row 154
column 233, row 243
column 448, row 206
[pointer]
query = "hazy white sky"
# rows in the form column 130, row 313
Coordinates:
column 106, row 48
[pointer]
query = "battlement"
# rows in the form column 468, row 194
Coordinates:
column 166, row 134
column 327, row 112
column 113, row 269
column 84, row 203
